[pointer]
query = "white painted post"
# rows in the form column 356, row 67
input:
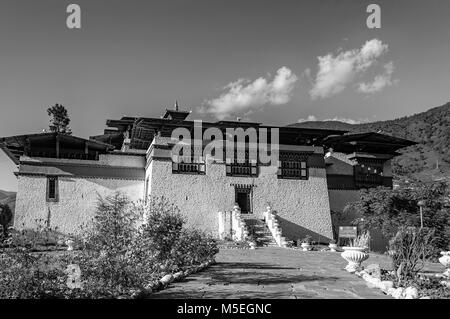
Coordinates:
column 221, row 217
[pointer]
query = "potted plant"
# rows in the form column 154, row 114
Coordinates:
column 445, row 261
column 306, row 243
column 70, row 243
column 356, row 253
column 252, row 242
column 332, row 245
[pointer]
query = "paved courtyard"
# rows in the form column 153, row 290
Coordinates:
column 275, row 273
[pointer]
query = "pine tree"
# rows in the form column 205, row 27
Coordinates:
column 59, row 121
column 5, row 217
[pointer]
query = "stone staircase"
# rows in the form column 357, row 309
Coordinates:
column 258, row 228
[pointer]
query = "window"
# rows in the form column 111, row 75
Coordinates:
column 293, row 166
column 52, row 189
column 248, row 168
column 183, row 165
column 369, row 173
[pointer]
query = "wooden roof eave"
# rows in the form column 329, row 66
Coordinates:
column 14, row 158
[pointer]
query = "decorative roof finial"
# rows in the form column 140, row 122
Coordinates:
column 176, row 105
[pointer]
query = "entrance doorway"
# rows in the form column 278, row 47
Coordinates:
column 243, row 199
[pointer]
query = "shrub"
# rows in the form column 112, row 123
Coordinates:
column 194, row 247
column 431, row 286
column 361, row 240
column 306, row 240
column 28, row 275
column 114, row 225
column 41, row 238
column 5, row 219
column 120, row 257
column 409, row 249
column 389, row 209
column 164, row 243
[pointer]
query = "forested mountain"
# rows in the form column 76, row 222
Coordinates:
column 430, row 159
column 8, row 198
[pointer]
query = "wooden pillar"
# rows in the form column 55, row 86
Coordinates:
column 27, row 148
column 86, row 149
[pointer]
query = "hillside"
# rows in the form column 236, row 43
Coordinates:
column 429, row 160
column 8, row 198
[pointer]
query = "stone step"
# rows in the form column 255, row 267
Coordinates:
column 259, row 229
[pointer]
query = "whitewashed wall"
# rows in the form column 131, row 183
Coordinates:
column 78, row 195
column 303, row 205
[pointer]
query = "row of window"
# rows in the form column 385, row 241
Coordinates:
column 286, row 169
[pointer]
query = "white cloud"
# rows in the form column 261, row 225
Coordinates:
column 336, row 72
column 348, row 120
column 244, row 95
column 313, row 118
column 380, row 82
column 310, row 118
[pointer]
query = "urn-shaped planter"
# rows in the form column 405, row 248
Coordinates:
column 445, row 261
column 306, row 246
column 70, row 243
column 354, row 256
column 333, row 247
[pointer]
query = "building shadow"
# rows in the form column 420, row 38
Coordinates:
column 295, row 232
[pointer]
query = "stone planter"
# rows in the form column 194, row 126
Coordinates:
column 306, row 246
column 333, row 247
column 70, row 243
column 445, row 261
column 354, row 256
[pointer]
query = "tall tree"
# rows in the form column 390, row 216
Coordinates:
column 5, row 218
column 59, row 121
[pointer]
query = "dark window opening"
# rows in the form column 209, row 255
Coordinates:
column 369, row 173
column 248, row 168
column 52, row 189
column 293, row 166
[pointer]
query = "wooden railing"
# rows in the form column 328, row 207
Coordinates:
column 245, row 169
column 188, row 168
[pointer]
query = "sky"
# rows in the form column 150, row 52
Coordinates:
column 275, row 62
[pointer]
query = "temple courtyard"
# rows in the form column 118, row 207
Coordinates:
column 279, row 274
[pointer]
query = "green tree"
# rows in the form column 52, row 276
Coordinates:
column 388, row 210
column 5, row 217
column 59, row 121
column 114, row 225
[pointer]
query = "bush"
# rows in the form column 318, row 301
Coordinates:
column 162, row 227
column 388, row 210
column 36, row 240
column 5, row 219
column 164, row 243
column 114, row 224
column 409, row 249
column 194, row 247
column 28, row 275
column 122, row 253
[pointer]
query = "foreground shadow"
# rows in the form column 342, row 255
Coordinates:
column 243, row 280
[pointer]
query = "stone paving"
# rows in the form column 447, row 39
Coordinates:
column 275, row 273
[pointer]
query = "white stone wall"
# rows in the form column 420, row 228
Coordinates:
column 302, row 205
column 77, row 195
column 76, row 205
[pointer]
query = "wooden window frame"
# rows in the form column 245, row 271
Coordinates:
column 293, row 162
column 54, row 199
column 199, row 166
